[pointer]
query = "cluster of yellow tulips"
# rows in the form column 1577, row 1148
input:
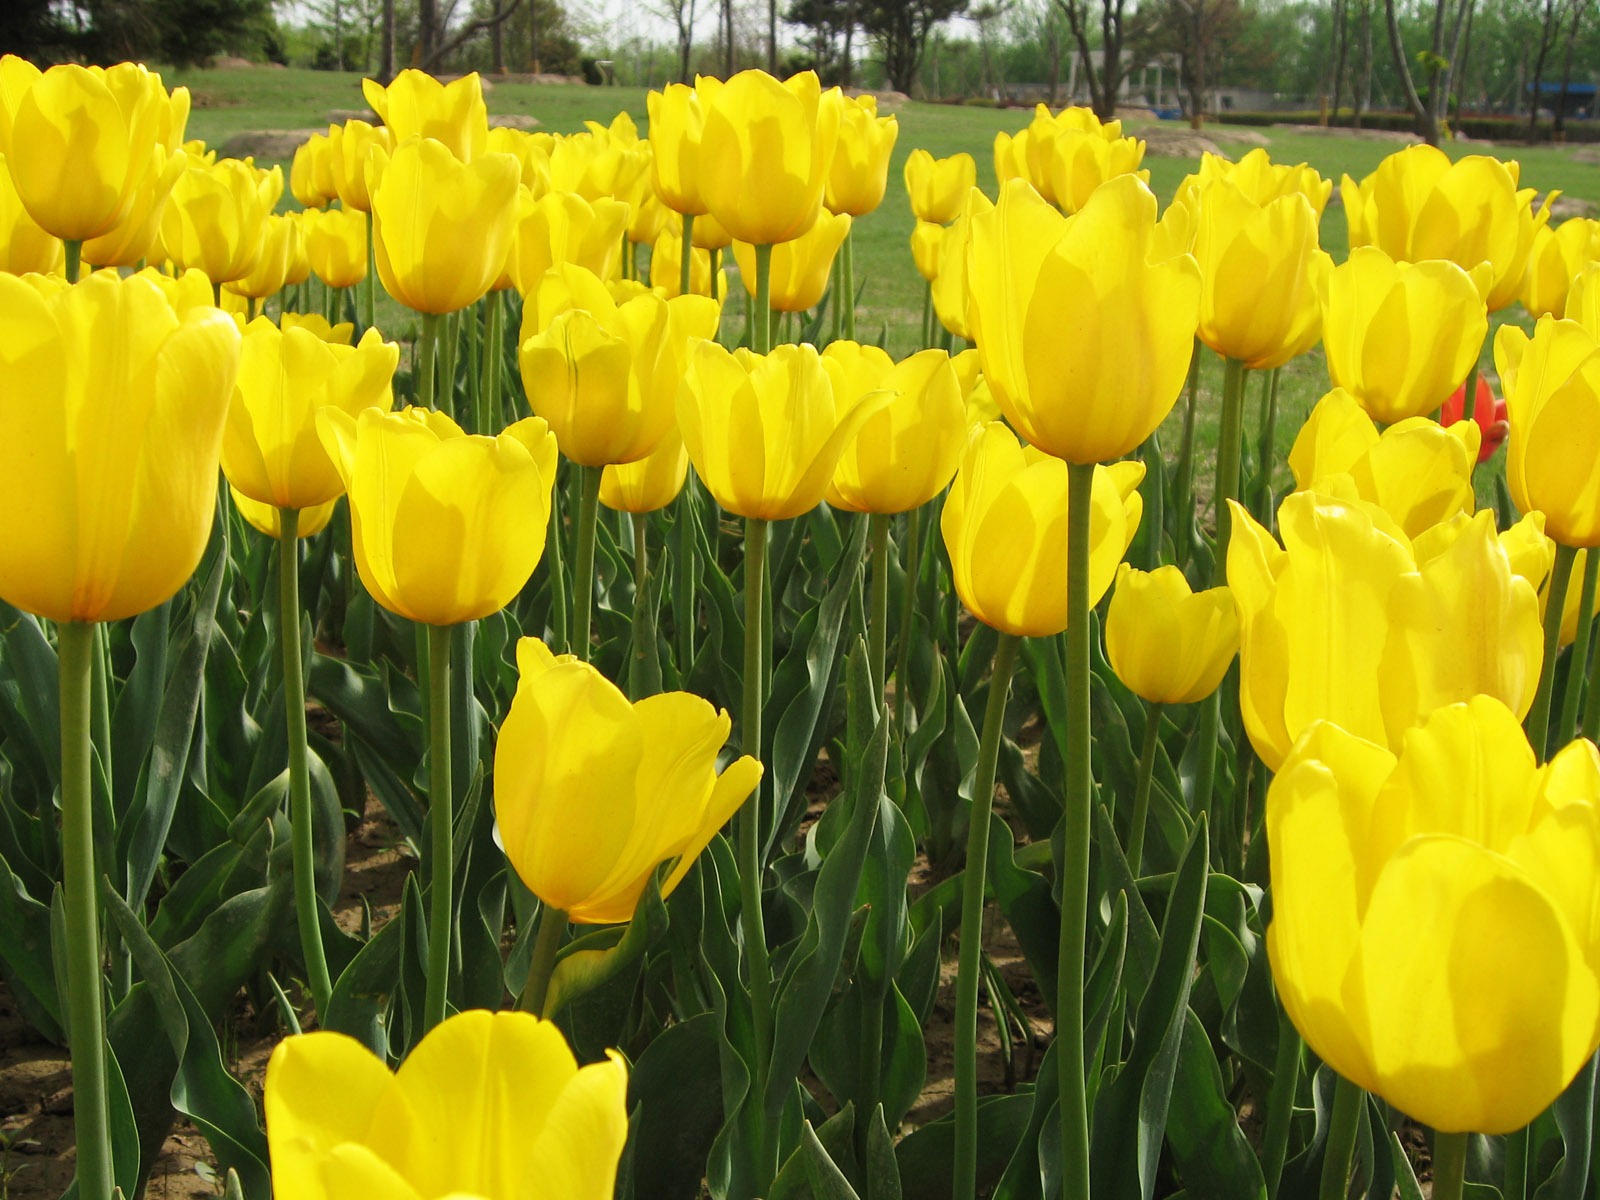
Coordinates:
column 1429, row 840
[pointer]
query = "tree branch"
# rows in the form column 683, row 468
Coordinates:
column 467, row 31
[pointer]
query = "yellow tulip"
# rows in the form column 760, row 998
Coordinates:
column 563, row 227
column 710, row 233
column 1583, row 299
column 907, row 452
column 1419, row 205
column 416, row 104
column 282, row 247
column 651, row 483
column 530, row 153
column 312, row 180
column 185, row 290
column 441, row 228
column 111, row 414
column 216, row 217
column 341, row 334
column 1032, row 273
column 860, row 170
column 800, row 267
column 1352, row 622
column 1552, row 390
column 336, row 245
column 666, row 261
column 351, row 146
column 765, row 432
column 938, row 187
column 765, row 153
column 446, row 527
column 1417, row 471
column 1005, row 527
column 676, row 126
column 951, row 290
column 593, row 792
column 1167, row 644
column 1555, row 259
column 1067, row 156
column 1574, row 602
column 591, row 166
column 266, row 518
column 270, row 448
column 1400, row 337
column 24, row 244
column 605, row 374
column 927, row 249
column 1433, row 934
column 486, row 1105
column 1258, row 177
column 647, row 216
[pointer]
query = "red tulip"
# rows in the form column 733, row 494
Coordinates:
column 1488, row 410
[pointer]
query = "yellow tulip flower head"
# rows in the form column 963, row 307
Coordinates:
column 1352, row 622
column 1031, row 273
column 270, row 449
column 1557, row 255
column 336, row 245
column 1167, row 644
column 342, row 334
column 441, row 227
column 927, row 249
column 907, row 452
column 860, row 170
column 111, row 412
column 416, row 104
column 1433, row 934
column 1067, row 156
column 604, row 373
column 1258, row 177
column 312, row 180
column 216, row 217
column 267, row 519
column 938, row 187
column 592, row 792
column 563, row 227
column 765, row 432
column 651, row 483
column 1419, row 205
column 530, row 152
column 800, row 268
column 1417, row 471
column 1005, row 527
column 676, row 125
column 1552, row 390
column 765, row 152
column 486, row 1105
column 710, row 233
column 25, row 245
column 666, row 261
column 447, row 527
column 350, row 146
column 1400, row 337
column 1583, row 299
column 1574, row 603
column 283, row 248
column 950, row 290
column 137, row 235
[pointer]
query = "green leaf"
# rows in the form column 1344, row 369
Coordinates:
column 677, row 1104
column 822, row 1173
column 926, row 1154
column 579, row 970
column 1212, row 1155
column 25, row 956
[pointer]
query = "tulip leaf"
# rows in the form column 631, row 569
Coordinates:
column 834, row 1140
column 1410, row 1189
column 827, row 1181
column 139, row 705
column 362, row 991
column 579, row 971
column 677, row 1105
column 32, row 662
column 925, row 1155
column 1024, row 898
column 25, row 955
column 1209, row 1149
column 1573, row 1113
column 1102, row 993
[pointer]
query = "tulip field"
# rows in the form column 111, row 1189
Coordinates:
column 1120, row 725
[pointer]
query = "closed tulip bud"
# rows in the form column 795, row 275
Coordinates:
column 24, row 244
column 765, row 432
column 416, row 104
column 441, row 227
column 1556, row 257
column 860, row 170
column 1352, row 622
column 111, row 414
column 710, row 233
column 938, row 187
column 676, row 125
column 351, row 145
column 952, row 292
column 1419, row 205
column 17, row 75
column 1552, row 386
column 1005, row 527
column 1400, row 337
column 906, row 453
column 446, row 527
column 1098, row 394
column 1085, row 153
column 1416, row 470
column 1258, row 177
column 270, row 450
column 1583, row 299
column 137, row 236
column 800, row 268
column 1167, row 644
column 216, row 217
column 592, row 792
column 267, row 519
column 1488, row 414
column 283, row 247
column 651, row 483
column 595, row 370
column 1433, row 936
column 336, row 245
column 563, row 227
column 312, row 179
column 587, row 165
column 765, row 153
column 666, row 261
column 927, row 247
column 505, row 1085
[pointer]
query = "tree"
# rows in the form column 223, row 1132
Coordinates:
column 1197, row 31
column 681, row 13
column 1449, row 24
column 899, row 31
column 1105, row 83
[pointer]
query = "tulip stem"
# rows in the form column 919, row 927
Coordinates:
column 1449, row 1165
column 1538, row 723
column 641, row 550
column 1230, row 449
column 583, row 558
column 1280, row 1104
column 1578, row 664
column 86, row 1021
column 878, row 630
column 448, row 331
column 1265, row 450
column 847, row 272
column 441, row 814
column 1182, row 496
column 927, row 314
column 1341, row 1144
column 427, row 347
column 965, row 1184
column 1516, row 1160
column 749, row 826
column 684, row 571
column 74, row 250
column 1141, row 792
column 908, row 613
column 493, row 345
column 1591, row 704
column 369, row 289
column 294, row 708
column 1469, row 397
column 542, row 962
column 761, row 322
column 1073, row 869
column 686, row 258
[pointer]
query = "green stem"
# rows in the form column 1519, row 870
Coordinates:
column 1073, row 870
column 559, row 605
column 1230, row 448
column 74, row 258
column 716, row 263
column 583, row 558
column 252, row 309
column 848, row 300
column 542, row 962
column 1184, row 486
column 878, row 606
column 370, row 283
column 686, row 259
column 641, row 550
column 761, row 322
column 1266, row 451
column 86, row 1021
column 1280, row 1104
column 489, row 417
column 908, row 611
column 427, row 348
column 1141, row 792
column 306, row 903
column 684, row 571
column 330, row 304
column 1341, row 1145
column 1538, row 723
column 927, row 314
column 749, row 827
column 449, row 328
column 1591, row 704
column 1469, row 397
column 1516, row 1150
column 965, row 1184
column 1578, row 663
column 441, row 813
column 1449, row 1165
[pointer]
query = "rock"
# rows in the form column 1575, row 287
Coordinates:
column 521, row 121
column 338, row 116
column 1564, row 207
column 1177, row 143
column 265, row 144
column 1369, row 135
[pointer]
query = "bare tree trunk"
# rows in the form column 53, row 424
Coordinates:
column 427, row 28
column 1341, row 45
column 1363, row 90
column 1427, row 123
column 1053, row 44
column 727, row 39
column 1459, row 70
column 1539, row 55
column 847, row 77
column 497, row 48
column 386, row 53
column 1558, row 131
column 772, row 37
